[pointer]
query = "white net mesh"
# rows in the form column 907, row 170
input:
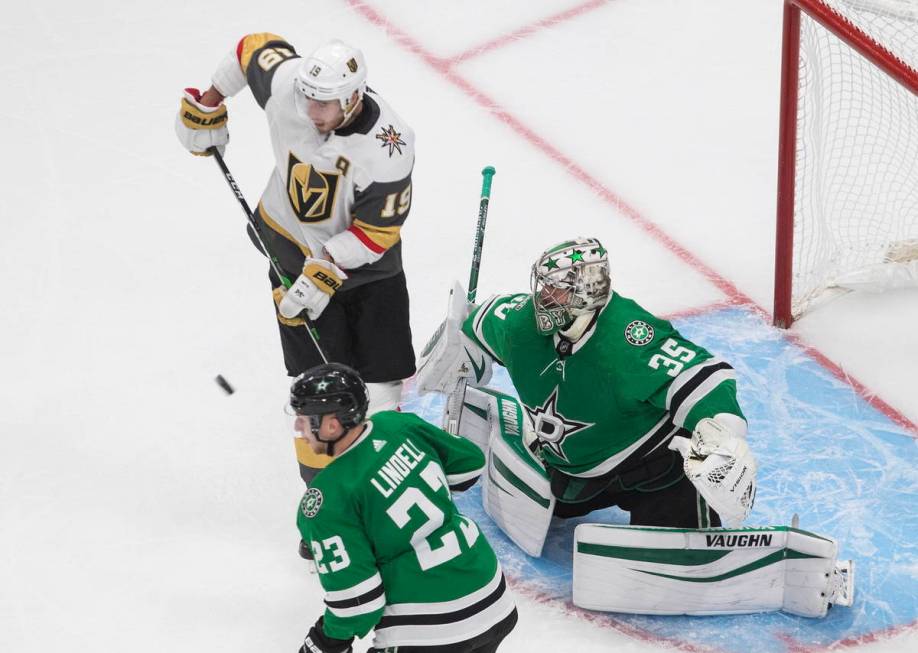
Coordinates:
column 856, row 198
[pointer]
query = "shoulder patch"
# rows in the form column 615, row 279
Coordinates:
column 638, row 333
column 391, row 139
column 311, row 502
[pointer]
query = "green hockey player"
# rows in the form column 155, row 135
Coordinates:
column 392, row 551
column 611, row 392
column 613, row 395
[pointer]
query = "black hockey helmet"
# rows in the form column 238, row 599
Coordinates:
column 331, row 388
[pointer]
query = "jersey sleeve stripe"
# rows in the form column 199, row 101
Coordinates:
column 702, row 385
column 483, row 596
column 429, row 629
column 685, row 377
column 377, row 239
column 479, row 321
column 370, row 597
column 354, row 591
column 360, row 609
column 458, row 479
column 250, row 43
column 684, row 384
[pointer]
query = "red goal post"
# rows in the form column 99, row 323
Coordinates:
column 848, row 150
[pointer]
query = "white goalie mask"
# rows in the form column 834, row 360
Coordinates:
column 568, row 280
column 333, row 72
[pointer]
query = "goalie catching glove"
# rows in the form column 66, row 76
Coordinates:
column 720, row 465
column 312, row 290
column 200, row 127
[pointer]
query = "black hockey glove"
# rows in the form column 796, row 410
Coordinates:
column 318, row 642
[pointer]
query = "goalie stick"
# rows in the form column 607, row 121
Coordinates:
column 454, row 401
column 310, row 328
column 487, row 175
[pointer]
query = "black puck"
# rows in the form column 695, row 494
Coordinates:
column 223, row 383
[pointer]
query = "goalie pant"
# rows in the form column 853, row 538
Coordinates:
column 393, row 552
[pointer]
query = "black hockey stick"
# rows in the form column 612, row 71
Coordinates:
column 310, row 328
column 487, row 175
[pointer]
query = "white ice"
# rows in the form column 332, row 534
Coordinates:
column 141, row 509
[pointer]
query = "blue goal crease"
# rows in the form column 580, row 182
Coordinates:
column 824, row 454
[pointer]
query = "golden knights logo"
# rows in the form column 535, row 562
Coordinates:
column 391, row 139
column 313, row 192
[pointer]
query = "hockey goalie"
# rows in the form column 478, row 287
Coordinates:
column 617, row 408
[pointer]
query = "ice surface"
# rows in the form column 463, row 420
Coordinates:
column 142, row 509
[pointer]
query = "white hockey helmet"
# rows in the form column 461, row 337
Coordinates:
column 333, row 72
column 569, row 279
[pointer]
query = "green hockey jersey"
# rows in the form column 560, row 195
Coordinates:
column 613, row 397
column 392, row 550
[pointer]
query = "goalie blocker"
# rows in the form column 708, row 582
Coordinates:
column 646, row 570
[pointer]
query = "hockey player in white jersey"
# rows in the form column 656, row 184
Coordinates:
column 333, row 208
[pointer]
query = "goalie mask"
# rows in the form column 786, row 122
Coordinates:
column 333, row 72
column 568, row 280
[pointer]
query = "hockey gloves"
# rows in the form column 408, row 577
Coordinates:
column 720, row 465
column 200, row 127
column 312, row 290
column 318, row 642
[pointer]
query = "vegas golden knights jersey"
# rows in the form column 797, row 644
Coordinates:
column 347, row 192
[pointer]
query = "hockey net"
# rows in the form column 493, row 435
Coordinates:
column 848, row 168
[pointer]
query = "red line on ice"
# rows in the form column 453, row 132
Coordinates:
column 734, row 295
column 528, row 30
column 856, row 641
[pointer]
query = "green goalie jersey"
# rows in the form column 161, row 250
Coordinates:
column 392, row 550
column 613, row 397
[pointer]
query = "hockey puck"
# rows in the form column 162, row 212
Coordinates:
column 224, row 384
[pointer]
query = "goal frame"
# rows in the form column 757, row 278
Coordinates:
column 874, row 52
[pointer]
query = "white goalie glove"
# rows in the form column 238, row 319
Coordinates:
column 720, row 465
column 450, row 357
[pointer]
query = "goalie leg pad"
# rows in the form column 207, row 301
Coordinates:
column 516, row 491
column 648, row 570
column 473, row 412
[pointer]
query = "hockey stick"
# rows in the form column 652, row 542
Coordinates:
column 487, row 175
column 454, row 402
column 310, row 329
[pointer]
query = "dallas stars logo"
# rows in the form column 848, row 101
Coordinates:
column 311, row 502
column 553, row 428
column 391, row 138
column 322, row 386
column 638, row 333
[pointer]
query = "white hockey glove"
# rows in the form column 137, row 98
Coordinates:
column 312, row 290
column 720, row 465
column 450, row 356
column 199, row 127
